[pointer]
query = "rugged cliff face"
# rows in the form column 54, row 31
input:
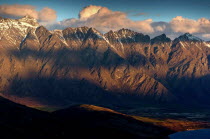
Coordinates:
column 82, row 65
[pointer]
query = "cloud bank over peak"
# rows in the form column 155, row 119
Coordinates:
column 180, row 24
column 104, row 20
column 16, row 11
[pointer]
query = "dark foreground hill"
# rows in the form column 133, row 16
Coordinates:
column 85, row 121
column 79, row 122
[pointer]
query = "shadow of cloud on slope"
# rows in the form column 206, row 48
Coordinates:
column 57, row 91
column 136, row 59
column 191, row 90
column 60, row 89
column 208, row 60
column 65, row 57
column 85, row 58
column 52, row 91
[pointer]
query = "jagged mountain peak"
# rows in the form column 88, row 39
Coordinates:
column 28, row 17
column 30, row 20
column 126, row 32
column 42, row 28
column 22, row 23
column 130, row 34
column 160, row 39
column 77, row 28
column 2, row 20
column 110, row 33
column 13, row 31
column 93, row 32
column 188, row 37
column 127, row 36
column 82, row 29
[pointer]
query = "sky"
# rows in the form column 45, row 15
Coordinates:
column 151, row 17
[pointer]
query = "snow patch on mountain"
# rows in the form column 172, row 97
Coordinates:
column 207, row 44
column 188, row 37
column 191, row 37
column 182, row 44
column 14, row 31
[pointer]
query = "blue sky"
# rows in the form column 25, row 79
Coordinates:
column 158, row 10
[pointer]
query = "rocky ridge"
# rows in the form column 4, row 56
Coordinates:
column 83, row 65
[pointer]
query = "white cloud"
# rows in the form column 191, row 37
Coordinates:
column 160, row 28
column 89, row 11
column 207, row 36
column 16, row 11
column 180, row 24
column 47, row 14
column 105, row 20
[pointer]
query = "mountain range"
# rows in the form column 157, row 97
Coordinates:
column 81, row 65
